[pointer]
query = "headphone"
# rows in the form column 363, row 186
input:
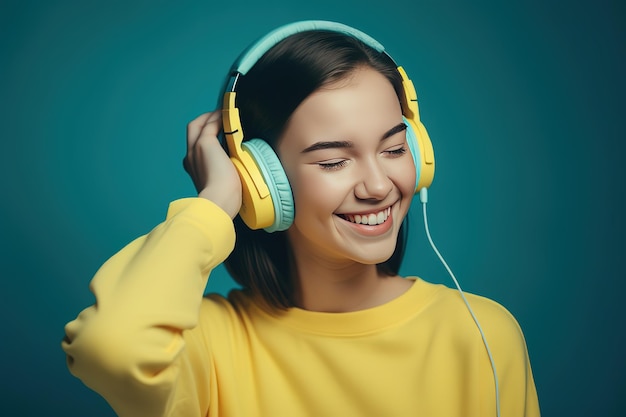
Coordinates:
column 267, row 200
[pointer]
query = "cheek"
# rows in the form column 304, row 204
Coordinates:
column 403, row 174
column 316, row 192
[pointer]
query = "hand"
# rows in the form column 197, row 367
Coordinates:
column 210, row 168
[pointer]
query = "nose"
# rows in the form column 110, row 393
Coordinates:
column 374, row 184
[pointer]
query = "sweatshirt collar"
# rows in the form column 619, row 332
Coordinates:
column 360, row 322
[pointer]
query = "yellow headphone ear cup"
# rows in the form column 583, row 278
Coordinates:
column 256, row 206
column 424, row 148
column 427, row 161
column 276, row 180
column 418, row 141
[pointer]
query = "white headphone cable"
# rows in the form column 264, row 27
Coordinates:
column 424, row 199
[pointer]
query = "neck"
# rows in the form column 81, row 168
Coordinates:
column 327, row 286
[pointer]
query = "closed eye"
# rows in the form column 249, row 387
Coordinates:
column 333, row 165
column 396, row 152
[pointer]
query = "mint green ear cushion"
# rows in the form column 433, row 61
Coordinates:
column 411, row 140
column 276, row 180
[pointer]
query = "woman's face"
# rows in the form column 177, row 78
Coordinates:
column 344, row 151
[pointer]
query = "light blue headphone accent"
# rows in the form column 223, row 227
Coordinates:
column 250, row 56
column 411, row 140
column 276, row 179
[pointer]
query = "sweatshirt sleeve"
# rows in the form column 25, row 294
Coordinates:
column 128, row 344
column 518, row 394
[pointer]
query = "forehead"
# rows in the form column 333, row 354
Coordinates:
column 361, row 105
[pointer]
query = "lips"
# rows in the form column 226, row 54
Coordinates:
column 371, row 219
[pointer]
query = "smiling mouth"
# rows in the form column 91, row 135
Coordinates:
column 371, row 219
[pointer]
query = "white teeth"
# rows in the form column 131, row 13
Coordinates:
column 369, row 219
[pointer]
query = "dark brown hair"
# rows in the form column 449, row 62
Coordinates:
column 266, row 97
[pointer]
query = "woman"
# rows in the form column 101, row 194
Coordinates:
column 323, row 325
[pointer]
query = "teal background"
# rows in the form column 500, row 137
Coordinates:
column 524, row 102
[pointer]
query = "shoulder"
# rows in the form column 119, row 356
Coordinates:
column 465, row 314
column 485, row 309
column 493, row 314
column 501, row 328
column 220, row 313
column 505, row 342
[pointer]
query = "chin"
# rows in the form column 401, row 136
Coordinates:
column 383, row 256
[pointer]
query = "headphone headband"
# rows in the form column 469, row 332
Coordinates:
column 251, row 55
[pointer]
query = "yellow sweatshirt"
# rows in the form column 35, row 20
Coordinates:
column 152, row 346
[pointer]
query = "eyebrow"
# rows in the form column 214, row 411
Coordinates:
column 396, row 129
column 348, row 144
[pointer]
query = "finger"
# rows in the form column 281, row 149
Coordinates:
column 208, row 121
column 212, row 125
column 200, row 160
column 206, row 147
column 195, row 127
column 207, row 136
column 194, row 131
column 208, row 124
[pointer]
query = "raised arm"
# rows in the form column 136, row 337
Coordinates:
column 129, row 344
